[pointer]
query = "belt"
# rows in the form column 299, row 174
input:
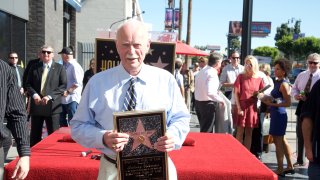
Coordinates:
column 110, row 160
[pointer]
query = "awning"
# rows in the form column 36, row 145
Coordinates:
column 182, row 48
column 75, row 4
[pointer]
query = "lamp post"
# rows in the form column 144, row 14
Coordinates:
column 127, row 18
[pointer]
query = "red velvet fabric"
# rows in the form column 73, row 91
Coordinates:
column 218, row 156
column 215, row 156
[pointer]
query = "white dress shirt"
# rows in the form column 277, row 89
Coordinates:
column 105, row 92
column 229, row 74
column 301, row 81
column 207, row 85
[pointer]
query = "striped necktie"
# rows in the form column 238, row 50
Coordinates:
column 130, row 98
column 308, row 85
column 44, row 79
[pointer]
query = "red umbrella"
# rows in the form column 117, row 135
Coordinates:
column 185, row 49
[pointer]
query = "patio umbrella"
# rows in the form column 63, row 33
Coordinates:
column 185, row 49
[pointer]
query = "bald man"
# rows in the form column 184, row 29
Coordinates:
column 92, row 126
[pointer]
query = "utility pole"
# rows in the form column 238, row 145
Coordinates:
column 180, row 19
column 246, row 29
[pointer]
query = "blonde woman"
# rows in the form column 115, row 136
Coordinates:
column 246, row 87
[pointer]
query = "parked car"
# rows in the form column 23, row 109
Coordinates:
column 294, row 73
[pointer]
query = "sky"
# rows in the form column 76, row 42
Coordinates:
column 210, row 18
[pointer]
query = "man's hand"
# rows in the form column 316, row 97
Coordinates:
column 45, row 100
column 164, row 143
column 37, row 99
column 22, row 91
column 300, row 97
column 22, row 168
column 115, row 141
column 65, row 93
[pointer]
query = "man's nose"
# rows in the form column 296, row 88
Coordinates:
column 131, row 49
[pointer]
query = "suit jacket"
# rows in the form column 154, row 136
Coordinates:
column 55, row 85
column 26, row 71
column 21, row 71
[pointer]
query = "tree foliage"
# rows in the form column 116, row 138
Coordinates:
column 302, row 47
column 235, row 44
column 267, row 51
column 282, row 31
column 285, row 45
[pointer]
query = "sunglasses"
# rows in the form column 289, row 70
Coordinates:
column 314, row 63
column 48, row 52
column 13, row 57
column 235, row 57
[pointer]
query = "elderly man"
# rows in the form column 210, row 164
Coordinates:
column 72, row 95
column 92, row 126
column 310, row 125
column 300, row 91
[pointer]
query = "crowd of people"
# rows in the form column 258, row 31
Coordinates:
column 245, row 88
column 227, row 97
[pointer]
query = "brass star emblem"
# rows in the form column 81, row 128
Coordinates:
column 141, row 136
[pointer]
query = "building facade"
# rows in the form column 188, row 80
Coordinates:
column 26, row 25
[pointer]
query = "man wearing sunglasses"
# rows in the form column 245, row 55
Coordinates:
column 13, row 62
column 300, row 91
column 230, row 73
column 46, row 83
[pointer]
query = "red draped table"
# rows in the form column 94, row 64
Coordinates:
column 214, row 156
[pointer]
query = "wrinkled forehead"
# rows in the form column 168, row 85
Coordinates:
column 134, row 33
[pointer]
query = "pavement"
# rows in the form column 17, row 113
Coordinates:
column 269, row 159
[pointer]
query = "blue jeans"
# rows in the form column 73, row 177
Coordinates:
column 314, row 171
column 67, row 110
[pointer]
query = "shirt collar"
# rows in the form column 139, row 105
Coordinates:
column 49, row 64
column 125, row 76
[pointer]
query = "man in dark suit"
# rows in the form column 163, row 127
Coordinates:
column 13, row 62
column 45, row 84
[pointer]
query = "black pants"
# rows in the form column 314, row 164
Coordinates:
column 301, row 151
column 257, row 138
column 52, row 123
column 228, row 94
column 206, row 112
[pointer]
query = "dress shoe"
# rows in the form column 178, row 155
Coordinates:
column 289, row 171
column 298, row 164
column 280, row 173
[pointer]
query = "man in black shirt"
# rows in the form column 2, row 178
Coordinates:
column 12, row 108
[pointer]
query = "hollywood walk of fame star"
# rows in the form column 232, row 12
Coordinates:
column 159, row 63
column 141, row 136
column 150, row 51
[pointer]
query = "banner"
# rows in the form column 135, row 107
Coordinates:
column 168, row 19
column 160, row 54
column 258, row 29
column 176, row 18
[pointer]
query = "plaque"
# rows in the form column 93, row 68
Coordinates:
column 139, row 159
